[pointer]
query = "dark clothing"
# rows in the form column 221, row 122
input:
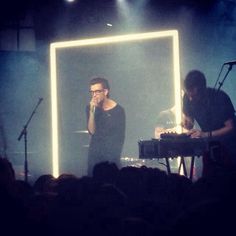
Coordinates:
column 210, row 112
column 107, row 142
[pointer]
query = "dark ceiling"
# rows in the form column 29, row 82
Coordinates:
column 16, row 10
column 51, row 16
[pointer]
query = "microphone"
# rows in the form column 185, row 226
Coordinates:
column 230, row 63
column 92, row 108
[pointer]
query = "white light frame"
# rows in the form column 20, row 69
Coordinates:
column 107, row 40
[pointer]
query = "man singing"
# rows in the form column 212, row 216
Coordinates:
column 106, row 125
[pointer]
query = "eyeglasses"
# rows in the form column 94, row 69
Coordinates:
column 96, row 92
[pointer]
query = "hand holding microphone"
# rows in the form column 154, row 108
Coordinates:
column 93, row 105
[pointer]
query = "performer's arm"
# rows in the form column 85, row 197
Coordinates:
column 187, row 122
column 91, row 116
column 91, row 121
column 228, row 127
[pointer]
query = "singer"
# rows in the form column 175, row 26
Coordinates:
column 106, row 125
column 215, row 115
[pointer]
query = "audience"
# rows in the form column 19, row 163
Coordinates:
column 127, row 201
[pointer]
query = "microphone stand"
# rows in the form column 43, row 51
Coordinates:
column 24, row 133
column 221, row 83
column 214, row 145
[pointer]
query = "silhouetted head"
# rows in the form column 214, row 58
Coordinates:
column 194, row 84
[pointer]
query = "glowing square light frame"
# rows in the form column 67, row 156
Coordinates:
column 107, row 40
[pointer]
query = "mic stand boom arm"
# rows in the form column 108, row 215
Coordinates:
column 24, row 133
column 221, row 83
column 218, row 89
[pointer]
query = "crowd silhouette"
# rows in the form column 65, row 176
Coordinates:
column 127, row 201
